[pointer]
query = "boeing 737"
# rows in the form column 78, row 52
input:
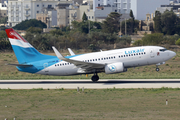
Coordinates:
column 111, row 61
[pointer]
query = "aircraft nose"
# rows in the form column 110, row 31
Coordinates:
column 172, row 54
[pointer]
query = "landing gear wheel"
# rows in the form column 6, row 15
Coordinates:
column 95, row 78
column 157, row 69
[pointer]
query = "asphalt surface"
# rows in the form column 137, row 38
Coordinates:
column 88, row 84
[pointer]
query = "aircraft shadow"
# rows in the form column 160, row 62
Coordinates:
column 88, row 82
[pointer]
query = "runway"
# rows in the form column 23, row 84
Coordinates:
column 88, row 84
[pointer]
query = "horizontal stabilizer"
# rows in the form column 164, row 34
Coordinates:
column 21, row 65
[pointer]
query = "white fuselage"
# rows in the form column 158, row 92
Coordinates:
column 130, row 57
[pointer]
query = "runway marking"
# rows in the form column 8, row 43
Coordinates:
column 88, row 84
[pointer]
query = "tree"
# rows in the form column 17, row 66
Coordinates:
column 84, row 26
column 169, row 22
column 111, row 24
column 178, row 42
column 4, row 43
column 84, row 18
column 56, row 32
column 129, row 26
column 138, row 43
column 3, row 35
column 157, row 22
column 3, row 20
column 132, row 21
column 153, row 39
column 34, row 30
column 24, row 25
column 97, row 25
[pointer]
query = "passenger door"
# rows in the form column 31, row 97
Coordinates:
column 151, row 53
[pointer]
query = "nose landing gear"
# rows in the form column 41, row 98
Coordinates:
column 157, row 69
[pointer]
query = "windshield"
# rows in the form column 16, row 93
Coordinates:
column 162, row 50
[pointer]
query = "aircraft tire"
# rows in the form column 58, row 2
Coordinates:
column 157, row 69
column 95, row 78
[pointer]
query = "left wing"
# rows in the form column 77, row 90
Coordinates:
column 86, row 66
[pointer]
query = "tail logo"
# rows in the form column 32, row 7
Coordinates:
column 16, row 39
column 14, row 34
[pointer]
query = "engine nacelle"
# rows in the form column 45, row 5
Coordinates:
column 114, row 68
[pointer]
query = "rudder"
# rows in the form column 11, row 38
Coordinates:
column 23, row 50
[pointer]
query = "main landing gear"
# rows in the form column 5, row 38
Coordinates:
column 95, row 77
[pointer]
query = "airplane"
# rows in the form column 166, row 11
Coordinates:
column 110, row 62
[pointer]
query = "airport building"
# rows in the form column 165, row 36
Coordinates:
column 139, row 7
column 20, row 10
column 3, row 8
column 174, row 7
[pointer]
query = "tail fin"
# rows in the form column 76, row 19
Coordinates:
column 23, row 50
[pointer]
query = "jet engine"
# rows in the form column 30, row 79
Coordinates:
column 114, row 68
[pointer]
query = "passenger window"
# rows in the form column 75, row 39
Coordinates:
column 55, row 65
column 96, row 59
column 131, row 54
column 121, row 55
column 126, row 55
column 136, row 53
column 111, row 57
column 63, row 64
column 104, row 58
column 114, row 57
column 90, row 60
column 144, row 52
column 139, row 53
column 107, row 58
column 99, row 59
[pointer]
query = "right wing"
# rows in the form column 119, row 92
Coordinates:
column 71, row 52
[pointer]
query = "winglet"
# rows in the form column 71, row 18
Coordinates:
column 71, row 52
column 58, row 54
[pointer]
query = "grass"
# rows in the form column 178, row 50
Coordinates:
column 46, row 104
column 170, row 70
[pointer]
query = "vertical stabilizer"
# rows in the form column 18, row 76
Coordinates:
column 23, row 50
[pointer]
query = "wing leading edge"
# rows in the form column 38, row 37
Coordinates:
column 85, row 66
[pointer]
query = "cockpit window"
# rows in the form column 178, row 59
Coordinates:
column 162, row 50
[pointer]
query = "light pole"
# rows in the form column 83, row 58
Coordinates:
column 125, row 27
